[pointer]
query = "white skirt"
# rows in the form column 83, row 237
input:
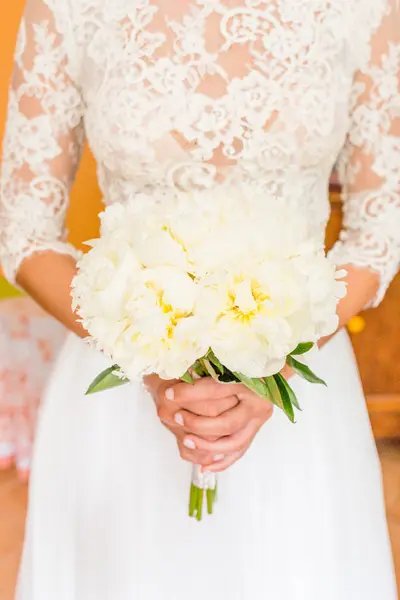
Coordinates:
column 300, row 517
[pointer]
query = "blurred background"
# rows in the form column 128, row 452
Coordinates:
column 30, row 340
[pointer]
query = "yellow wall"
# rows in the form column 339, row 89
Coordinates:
column 82, row 219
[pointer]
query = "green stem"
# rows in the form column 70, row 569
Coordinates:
column 210, row 501
column 200, row 496
column 193, row 500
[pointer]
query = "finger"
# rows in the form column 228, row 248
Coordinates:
column 187, row 452
column 172, row 416
column 260, row 408
column 225, row 445
column 166, row 414
column 195, row 457
column 223, row 425
column 203, row 389
column 212, row 408
column 224, row 463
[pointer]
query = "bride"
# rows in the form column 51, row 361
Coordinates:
column 193, row 93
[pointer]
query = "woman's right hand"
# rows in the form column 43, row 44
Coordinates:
column 168, row 410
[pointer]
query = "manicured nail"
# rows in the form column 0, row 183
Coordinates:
column 179, row 419
column 189, row 444
column 218, row 457
column 169, row 394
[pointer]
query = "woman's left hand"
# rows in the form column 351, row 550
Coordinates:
column 232, row 432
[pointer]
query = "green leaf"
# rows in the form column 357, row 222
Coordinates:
column 199, row 369
column 187, row 378
column 292, row 395
column 302, row 348
column 209, row 368
column 228, row 377
column 286, row 397
column 255, row 385
column 215, row 361
column 106, row 380
column 273, row 392
column 304, row 371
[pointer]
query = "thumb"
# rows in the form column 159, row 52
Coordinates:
column 203, row 389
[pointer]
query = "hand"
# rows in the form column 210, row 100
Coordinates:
column 193, row 400
column 226, row 437
column 214, row 423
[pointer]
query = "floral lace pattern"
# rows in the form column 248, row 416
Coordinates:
column 197, row 93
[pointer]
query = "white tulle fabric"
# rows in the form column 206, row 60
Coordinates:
column 193, row 93
column 300, row 517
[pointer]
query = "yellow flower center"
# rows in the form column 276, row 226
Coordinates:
column 174, row 315
column 246, row 300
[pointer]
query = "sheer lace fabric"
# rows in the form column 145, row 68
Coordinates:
column 196, row 93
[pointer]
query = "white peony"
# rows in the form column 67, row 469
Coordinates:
column 256, row 315
column 177, row 273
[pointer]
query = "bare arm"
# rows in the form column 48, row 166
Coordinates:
column 47, row 278
column 362, row 287
column 42, row 147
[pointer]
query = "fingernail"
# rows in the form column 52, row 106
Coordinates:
column 218, row 457
column 179, row 419
column 189, row 444
column 169, row 394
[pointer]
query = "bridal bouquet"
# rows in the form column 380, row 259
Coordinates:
column 226, row 283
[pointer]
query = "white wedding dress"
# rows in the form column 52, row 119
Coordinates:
column 192, row 93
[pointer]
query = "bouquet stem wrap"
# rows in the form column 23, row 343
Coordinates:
column 204, row 485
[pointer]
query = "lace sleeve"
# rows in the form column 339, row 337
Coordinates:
column 369, row 166
column 43, row 138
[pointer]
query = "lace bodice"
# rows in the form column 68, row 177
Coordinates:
column 196, row 93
